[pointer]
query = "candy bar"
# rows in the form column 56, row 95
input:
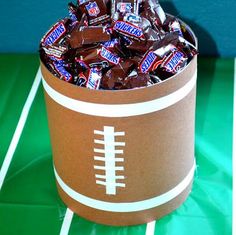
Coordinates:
column 85, row 36
column 55, row 52
column 104, row 53
column 94, row 78
column 121, row 7
column 129, row 30
column 74, row 13
column 114, row 78
column 154, row 12
column 56, row 33
column 96, row 11
column 63, row 73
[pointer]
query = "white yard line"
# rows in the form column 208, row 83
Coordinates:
column 150, row 229
column 234, row 153
column 66, row 222
column 19, row 128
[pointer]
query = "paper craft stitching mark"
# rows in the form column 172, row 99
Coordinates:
column 109, row 159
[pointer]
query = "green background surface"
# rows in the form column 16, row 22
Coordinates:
column 29, row 203
column 23, row 23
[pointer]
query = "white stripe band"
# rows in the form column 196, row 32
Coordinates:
column 121, row 110
column 150, row 229
column 127, row 206
column 66, row 222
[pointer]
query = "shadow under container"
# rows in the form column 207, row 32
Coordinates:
column 123, row 157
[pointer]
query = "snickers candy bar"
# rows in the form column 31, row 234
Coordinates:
column 113, row 78
column 136, row 81
column 62, row 72
column 74, row 12
column 85, row 36
column 149, row 62
column 155, row 56
column 173, row 63
column 154, row 12
column 140, row 22
column 55, row 33
column 91, row 59
column 172, row 25
column 125, row 6
column 141, row 47
column 111, row 43
column 110, row 57
column 94, row 78
column 129, row 30
column 81, row 80
column 96, row 11
column 55, row 52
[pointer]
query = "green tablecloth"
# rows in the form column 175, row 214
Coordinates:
column 29, row 203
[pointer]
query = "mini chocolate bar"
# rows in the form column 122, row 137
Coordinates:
column 56, row 33
column 154, row 12
column 85, row 36
column 129, row 30
column 74, row 13
column 114, row 78
column 63, row 73
column 55, row 52
column 94, row 78
column 125, row 6
column 96, row 11
column 110, row 57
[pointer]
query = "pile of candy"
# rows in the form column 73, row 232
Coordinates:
column 119, row 44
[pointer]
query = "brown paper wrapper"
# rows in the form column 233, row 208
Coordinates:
column 123, row 157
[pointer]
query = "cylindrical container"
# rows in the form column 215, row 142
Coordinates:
column 123, row 157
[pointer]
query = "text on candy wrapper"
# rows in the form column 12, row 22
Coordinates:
column 109, row 160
